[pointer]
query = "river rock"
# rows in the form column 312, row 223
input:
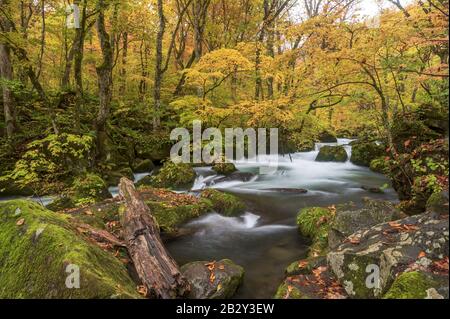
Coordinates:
column 332, row 154
column 213, row 280
column 417, row 242
column 363, row 153
column 419, row 285
column 438, row 203
column 348, row 219
column 224, row 168
column 236, row 176
column 373, row 190
column 293, row 191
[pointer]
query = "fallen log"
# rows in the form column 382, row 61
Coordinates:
column 156, row 269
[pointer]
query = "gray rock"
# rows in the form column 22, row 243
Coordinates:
column 438, row 203
column 390, row 249
column 348, row 220
column 216, row 280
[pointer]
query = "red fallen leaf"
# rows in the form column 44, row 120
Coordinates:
column 302, row 264
column 318, row 271
column 212, row 277
column 20, row 222
column 322, row 220
column 395, row 225
column 407, row 143
column 142, row 290
column 422, row 255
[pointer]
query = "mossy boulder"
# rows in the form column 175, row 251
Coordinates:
column 418, row 285
column 314, row 223
column 85, row 190
column 40, row 249
column 363, row 153
column 213, row 280
column 306, row 266
column 224, row 168
column 332, row 154
column 223, row 203
column 379, row 165
column 143, row 166
column 174, row 176
column 438, row 203
column 286, row 291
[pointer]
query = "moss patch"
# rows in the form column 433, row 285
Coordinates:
column 40, row 245
column 286, row 291
column 332, row 154
column 410, row 285
column 314, row 222
column 223, row 203
column 174, row 175
column 224, row 168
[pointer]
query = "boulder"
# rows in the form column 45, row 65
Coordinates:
column 419, row 285
column 332, row 154
column 327, row 137
column 41, row 253
column 213, row 280
column 363, row 153
column 438, row 203
column 349, row 220
column 143, row 166
column 417, row 242
column 305, row 266
column 174, row 176
column 224, row 168
column 223, row 203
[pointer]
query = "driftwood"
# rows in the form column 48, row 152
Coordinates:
column 100, row 236
column 157, row 270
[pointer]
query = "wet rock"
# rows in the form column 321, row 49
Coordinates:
column 213, row 280
column 419, row 285
column 223, row 203
column 174, row 176
column 438, row 203
column 236, row 176
column 332, row 154
column 306, row 266
column 373, row 190
column 363, row 153
column 143, row 166
column 293, row 191
column 417, row 242
column 349, row 220
column 224, row 168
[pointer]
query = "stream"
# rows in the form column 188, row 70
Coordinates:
column 265, row 239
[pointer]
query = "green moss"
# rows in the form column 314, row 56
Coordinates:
column 224, row 168
column 89, row 189
column 305, row 267
column 410, row 285
column 314, row 222
column 379, row 165
column 34, row 256
column 174, row 175
column 289, row 292
column 332, row 154
column 225, row 204
column 364, row 153
column 170, row 216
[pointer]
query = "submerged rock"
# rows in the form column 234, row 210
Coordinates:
column 332, row 154
column 236, row 176
column 213, row 280
column 41, row 253
column 287, row 190
column 418, row 242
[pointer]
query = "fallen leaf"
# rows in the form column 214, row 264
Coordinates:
column 142, row 290
column 20, row 222
column 422, row 254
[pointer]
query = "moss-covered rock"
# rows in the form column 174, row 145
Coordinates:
column 213, row 280
column 314, row 223
column 306, row 266
column 85, row 190
column 143, row 166
column 224, row 168
column 379, row 165
column 38, row 246
column 363, row 153
column 438, row 203
column 174, row 176
column 286, row 291
column 332, row 154
column 417, row 285
column 223, row 203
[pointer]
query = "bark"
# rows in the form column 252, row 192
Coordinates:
column 123, row 70
column 158, row 66
column 157, row 270
column 104, row 74
column 6, row 73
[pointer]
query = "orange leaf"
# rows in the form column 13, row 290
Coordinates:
column 20, row 222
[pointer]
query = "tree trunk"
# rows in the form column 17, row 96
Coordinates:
column 158, row 66
column 6, row 73
column 104, row 74
column 158, row 272
column 123, row 70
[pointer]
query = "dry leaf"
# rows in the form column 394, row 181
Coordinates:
column 20, row 222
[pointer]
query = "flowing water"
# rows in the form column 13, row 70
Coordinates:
column 265, row 239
